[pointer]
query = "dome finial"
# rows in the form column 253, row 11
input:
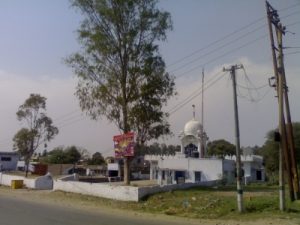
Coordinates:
column 194, row 114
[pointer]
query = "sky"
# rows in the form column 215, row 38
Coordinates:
column 36, row 36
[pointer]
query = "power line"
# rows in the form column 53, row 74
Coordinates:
column 191, row 97
column 215, row 42
column 228, row 35
column 217, row 48
column 254, row 88
column 221, row 56
column 196, row 91
column 292, row 53
column 227, row 53
column 66, row 115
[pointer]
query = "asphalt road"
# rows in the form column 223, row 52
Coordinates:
column 14, row 211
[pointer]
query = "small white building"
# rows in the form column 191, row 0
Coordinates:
column 180, row 169
column 190, row 165
column 253, row 167
column 8, row 161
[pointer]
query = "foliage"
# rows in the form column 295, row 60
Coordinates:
column 72, row 154
column 157, row 149
column 38, row 128
column 97, row 159
column 61, row 155
column 121, row 73
column 56, row 156
column 270, row 151
column 220, row 148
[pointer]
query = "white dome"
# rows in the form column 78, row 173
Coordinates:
column 193, row 127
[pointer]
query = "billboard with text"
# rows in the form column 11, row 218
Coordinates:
column 124, row 145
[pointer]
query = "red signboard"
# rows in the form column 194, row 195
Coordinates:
column 124, row 145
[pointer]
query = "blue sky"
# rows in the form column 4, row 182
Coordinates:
column 37, row 34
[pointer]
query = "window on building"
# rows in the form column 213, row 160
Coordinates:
column 180, row 177
column 258, row 175
column 163, row 175
column 7, row 159
column 197, row 176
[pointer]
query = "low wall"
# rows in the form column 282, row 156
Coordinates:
column 42, row 183
column 123, row 193
column 105, row 190
column 5, row 179
column 72, row 177
column 117, row 192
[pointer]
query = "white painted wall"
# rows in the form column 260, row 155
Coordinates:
column 123, row 193
column 105, row 190
column 8, row 165
column 211, row 169
column 43, row 182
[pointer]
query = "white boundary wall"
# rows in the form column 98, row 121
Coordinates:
column 41, row 183
column 105, row 190
column 117, row 192
column 123, row 193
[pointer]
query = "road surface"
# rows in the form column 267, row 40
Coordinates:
column 15, row 211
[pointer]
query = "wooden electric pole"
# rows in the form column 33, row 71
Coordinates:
column 290, row 154
column 237, row 139
column 287, row 157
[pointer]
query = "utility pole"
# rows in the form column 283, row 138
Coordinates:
column 289, row 155
column 271, row 13
column 202, row 118
column 232, row 70
column 287, row 158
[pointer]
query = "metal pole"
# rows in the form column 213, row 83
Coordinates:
column 237, row 140
column 202, row 118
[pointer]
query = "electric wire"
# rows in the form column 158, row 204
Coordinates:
column 217, row 48
column 229, row 35
column 190, row 98
column 196, row 91
column 221, row 56
column 292, row 53
column 61, row 118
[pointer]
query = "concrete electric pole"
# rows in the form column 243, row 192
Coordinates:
column 237, row 139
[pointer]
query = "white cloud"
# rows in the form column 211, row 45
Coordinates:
column 77, row 129
column 62, row 106
column 256, row 117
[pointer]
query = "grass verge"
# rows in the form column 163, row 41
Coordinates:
column 199, row 203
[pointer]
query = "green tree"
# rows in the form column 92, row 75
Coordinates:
column 61, row 155
column 270, row 152
column 56, row 156
column 72, row 154
column 157, row 149
column 121, row 73
column 220, row 148
column 97, row 159
column 39, row 128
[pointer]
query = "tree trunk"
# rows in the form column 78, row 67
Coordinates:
column 126, row 158
column 126, row 171
column 26, row 168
